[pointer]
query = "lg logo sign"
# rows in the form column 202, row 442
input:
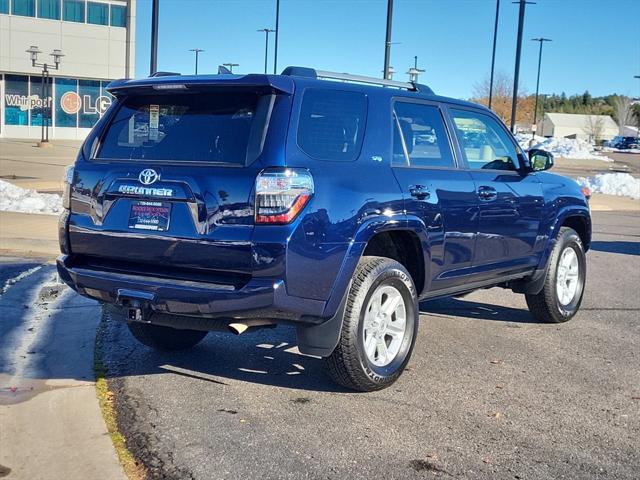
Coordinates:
column 71, row 103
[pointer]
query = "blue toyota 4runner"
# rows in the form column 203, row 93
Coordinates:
column 330, row 202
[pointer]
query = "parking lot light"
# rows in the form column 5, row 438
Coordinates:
column 57, row 55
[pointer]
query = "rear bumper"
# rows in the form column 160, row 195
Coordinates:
column 264, row 298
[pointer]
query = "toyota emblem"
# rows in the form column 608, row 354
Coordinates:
column 148, row 176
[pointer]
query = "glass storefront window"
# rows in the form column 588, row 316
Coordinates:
column 16, row 100
column 118, row 16
column 26, row 8
column 89, row 95
column 49, row 9
column 98, row 13
column 67, row 102
column 73, row 10
column 4, row 6
column 39, row 106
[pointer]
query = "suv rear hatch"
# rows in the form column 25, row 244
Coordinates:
column 164, row 185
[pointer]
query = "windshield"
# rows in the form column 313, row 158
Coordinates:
column 218, row 127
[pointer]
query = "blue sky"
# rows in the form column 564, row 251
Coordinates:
column 596, row 43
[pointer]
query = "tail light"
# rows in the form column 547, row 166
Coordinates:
column 67, row 180
column 281, row 195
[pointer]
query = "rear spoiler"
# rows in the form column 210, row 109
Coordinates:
column 273, row 83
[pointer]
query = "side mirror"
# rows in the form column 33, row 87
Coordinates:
column 540, row 160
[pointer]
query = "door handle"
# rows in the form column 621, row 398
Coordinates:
column 419, row 191
column 487, row 193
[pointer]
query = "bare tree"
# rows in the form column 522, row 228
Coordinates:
column 622, row 105
column 502, row 97
column 594, row 127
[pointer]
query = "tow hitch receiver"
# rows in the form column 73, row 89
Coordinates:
column 134, row 314
column 135, row 302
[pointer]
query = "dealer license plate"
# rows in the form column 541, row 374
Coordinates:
column 146, row 215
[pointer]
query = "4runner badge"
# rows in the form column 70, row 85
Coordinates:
column 148, row 176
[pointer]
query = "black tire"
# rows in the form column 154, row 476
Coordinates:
column 165, row 338
column 546, row 306
column 348, row 365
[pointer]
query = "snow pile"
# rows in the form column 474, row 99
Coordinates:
column 572, row 148
column 620, row 184
column 620, row 150
column 17, row 199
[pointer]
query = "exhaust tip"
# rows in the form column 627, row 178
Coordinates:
column 239, row 328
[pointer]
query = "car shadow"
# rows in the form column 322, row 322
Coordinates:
column 265, row 356
column 623, row 247
column 462, row 307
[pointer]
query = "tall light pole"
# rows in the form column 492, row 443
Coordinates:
column 387, row 41
column 275, row 53
column 535, row 109
column 57, row 55
column 197, row 51
column 638, row 116
column 266, row 31
column 516, row 76
column 493, row 54
column 231, row 65
column 414, row 71
column 153, row 63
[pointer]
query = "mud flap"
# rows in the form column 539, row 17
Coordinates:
column 321, row 340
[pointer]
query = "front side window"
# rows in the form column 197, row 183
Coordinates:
column 26, row 8
column 73, row 11
column 484, row 142
column 49, row 9
column 98, row 13
column 215, row 127
column 331, row 125
column 420, row 138
column 118, row 16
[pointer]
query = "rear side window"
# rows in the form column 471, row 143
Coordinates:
column 331, row 125
column 219, row 127
column 420, row 138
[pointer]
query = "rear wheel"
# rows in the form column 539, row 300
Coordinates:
column 562, row 293
column 379, row 327
column 165, row 338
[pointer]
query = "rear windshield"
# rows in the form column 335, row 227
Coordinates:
column 219, row 127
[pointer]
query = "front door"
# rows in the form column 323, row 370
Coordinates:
column 435, row 190
column 510, row 200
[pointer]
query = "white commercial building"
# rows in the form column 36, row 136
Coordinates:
column 97, row 39
column 573, row 125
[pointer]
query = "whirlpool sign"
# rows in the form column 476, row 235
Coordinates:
column 70, row 103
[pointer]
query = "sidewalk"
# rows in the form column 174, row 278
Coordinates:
column 25, row 165
column 51, row 425
column 28, row 235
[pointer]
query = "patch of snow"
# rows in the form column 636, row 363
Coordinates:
column 572, row 148
column 16, row 279
column 619, row 150
column 23, row 200
column 620, row 184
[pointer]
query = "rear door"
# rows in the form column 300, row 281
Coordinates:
column 168, row 185
column 436, row 191
column 510, row 200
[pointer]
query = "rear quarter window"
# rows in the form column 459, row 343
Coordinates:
column 331, row 124
column 212, row 127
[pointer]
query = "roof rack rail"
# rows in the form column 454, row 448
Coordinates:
column 164, row 74
column 346, row 77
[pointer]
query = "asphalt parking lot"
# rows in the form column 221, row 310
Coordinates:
column 488, row 393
